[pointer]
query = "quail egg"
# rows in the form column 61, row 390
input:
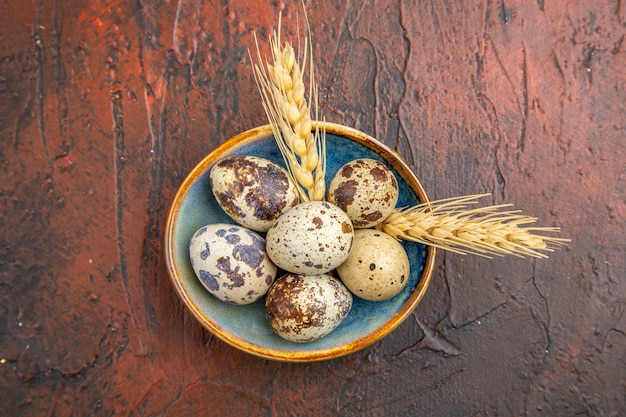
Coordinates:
column 377, row 268
column 311, row 238
column 231, row 263
column 366, row 189
column 253, row 191
column 303, row 308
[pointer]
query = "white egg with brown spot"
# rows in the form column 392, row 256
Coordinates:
column 253, row 191
column 311, row 238
column 303, row 308
column 231, row 263
column 366, row 189
column 378, row 267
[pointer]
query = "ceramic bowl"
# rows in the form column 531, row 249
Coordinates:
column 245, row 327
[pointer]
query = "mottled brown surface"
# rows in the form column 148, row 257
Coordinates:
column 366, row 190
column 304, row 308
column 106, row 106
column 252, row 190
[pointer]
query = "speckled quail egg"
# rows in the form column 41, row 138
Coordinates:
column 303, row 308
column 366, row 189
column 311, row 238
column 231, row 263
column 253, row 191
column 377, row 268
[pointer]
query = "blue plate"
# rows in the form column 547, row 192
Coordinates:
column 245, row 327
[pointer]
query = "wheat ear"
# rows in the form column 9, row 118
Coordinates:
column 448, row 224
column 301, row 142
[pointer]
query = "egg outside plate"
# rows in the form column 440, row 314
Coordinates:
column 245, row 327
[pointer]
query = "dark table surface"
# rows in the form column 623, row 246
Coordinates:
column 105, row 106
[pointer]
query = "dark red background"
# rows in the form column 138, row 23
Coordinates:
column 105, row 106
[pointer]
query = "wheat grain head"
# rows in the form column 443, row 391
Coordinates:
column 449, row 224
column 283, row 93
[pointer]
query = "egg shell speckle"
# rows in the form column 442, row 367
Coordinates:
column 313, row 237
column 377, row 268
column 366, row 189
column 303, row 308
column 253, row 191
column 231, row 263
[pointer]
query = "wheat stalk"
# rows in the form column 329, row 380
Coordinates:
column 448, row 224
column 282, row 89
